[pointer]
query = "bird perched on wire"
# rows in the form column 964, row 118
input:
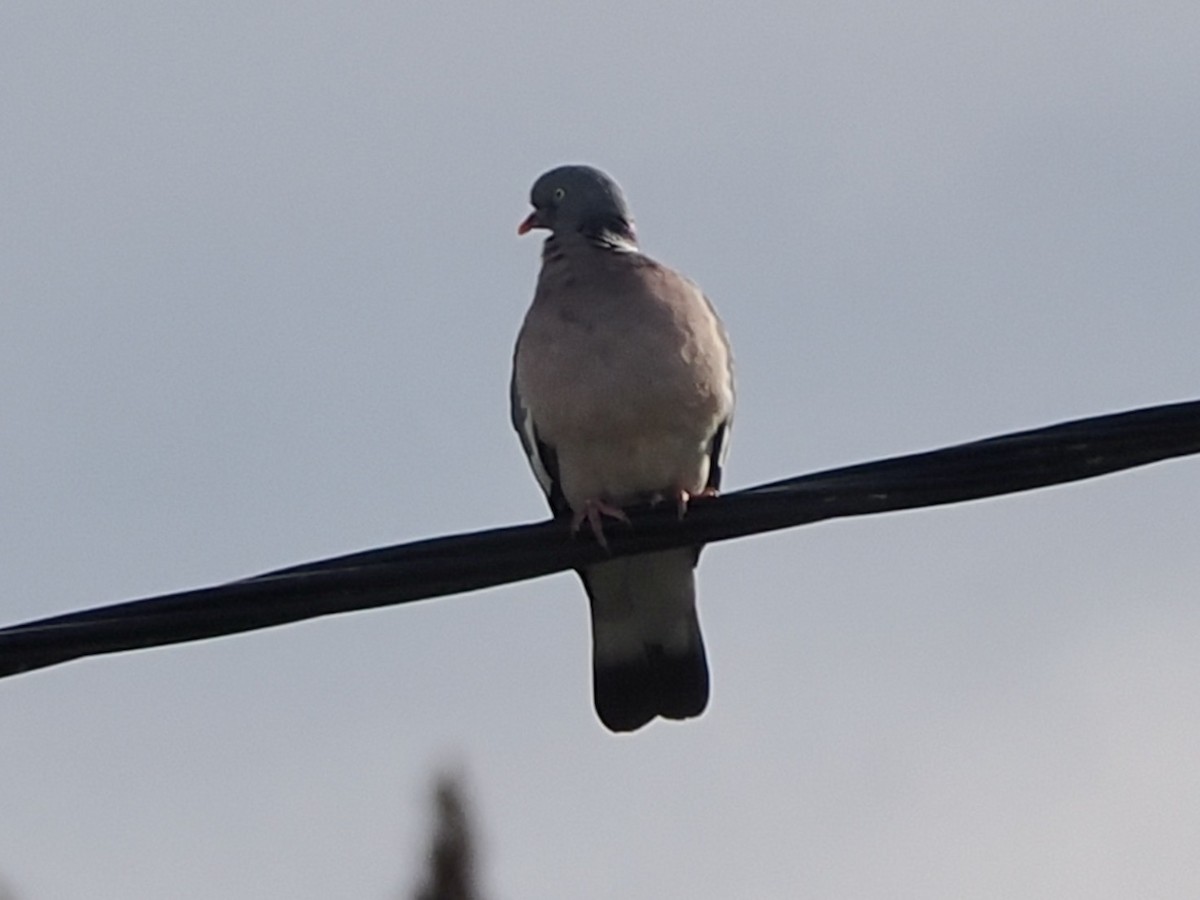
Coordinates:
column 622, row 392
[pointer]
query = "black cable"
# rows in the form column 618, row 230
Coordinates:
column 430, row 568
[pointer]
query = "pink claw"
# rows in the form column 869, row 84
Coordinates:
column 592, row 511
column 682, row 498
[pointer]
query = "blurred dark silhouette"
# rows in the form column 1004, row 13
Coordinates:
column 451, row 859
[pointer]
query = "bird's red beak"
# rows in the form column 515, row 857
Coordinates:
column 531, row 222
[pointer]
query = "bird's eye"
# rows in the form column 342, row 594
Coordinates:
column 559, row 193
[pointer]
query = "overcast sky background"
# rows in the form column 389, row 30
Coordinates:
column 259, row 283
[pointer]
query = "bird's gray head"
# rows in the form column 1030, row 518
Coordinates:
column 580, row 199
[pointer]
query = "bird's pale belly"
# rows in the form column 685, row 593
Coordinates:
column 625, row 468
column 624, row 422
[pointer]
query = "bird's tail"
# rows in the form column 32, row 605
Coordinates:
column 647, row 652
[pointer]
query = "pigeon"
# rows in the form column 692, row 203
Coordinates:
column 622, row 393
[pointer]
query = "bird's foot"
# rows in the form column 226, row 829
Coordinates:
column 591, row 512
column 681, row 498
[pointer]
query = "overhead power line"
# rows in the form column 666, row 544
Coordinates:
column 447, row 565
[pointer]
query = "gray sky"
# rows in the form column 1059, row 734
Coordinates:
column 259, row 282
